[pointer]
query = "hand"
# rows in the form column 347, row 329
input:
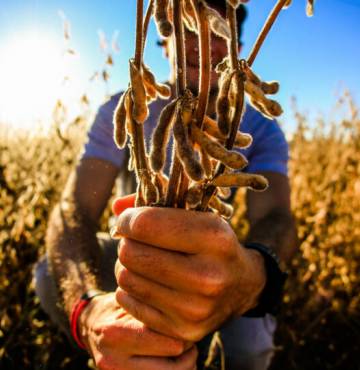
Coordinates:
column 117, row 341
column 183, row 273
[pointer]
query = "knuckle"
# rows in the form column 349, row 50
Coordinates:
column 142, row 223
column 196, row 313
column 178, row 348
column 223, row 238
column 193, row 333
column 124, row 252
column 214, row 284
column 123, row 278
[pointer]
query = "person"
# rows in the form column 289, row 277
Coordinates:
column 179, row 275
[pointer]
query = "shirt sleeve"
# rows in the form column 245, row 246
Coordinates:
column 100, row 143
column 269, row 150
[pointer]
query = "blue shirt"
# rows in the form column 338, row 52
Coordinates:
column 268, row 152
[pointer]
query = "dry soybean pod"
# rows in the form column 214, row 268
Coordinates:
column 254, row 91
column 161, row 18
column 210, row 126
column 310, row 8
column 271, row 87
column 254, row 182
column 217, row 23
column 272, row 107
column 184, row 148
column 222, row 102
column 222, row 66
column 163, row 90
column 160, row 137
column 140, row 110
column 224, row 193
column 258, row 106
column 149, row 79
column 189, row 16
column 242, row 140
column 229, row 158
column 119, row 122
column 128, row 107
column 151, row 93
column 224, row 209
column 206, row 163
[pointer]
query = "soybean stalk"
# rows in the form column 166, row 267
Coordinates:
column 238, row 79
column 239, row 98
column 204, row 81
column 265, row 30
column 137, row 136
column 148, row 15
column 205, row 62
column 176, row 167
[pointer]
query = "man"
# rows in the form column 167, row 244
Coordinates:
column 180, row 275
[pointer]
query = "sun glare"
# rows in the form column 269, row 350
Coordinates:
column 32, row 71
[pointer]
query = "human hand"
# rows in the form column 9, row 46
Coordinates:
column 118, row 341
column 183, row 273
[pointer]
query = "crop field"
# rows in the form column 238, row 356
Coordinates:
column 319, row 327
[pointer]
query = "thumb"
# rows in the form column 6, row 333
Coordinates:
column 120, row 204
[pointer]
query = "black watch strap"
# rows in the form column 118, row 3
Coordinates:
column 271, row 297
column 90, row 294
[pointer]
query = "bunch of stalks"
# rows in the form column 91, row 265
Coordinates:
column 204, row 164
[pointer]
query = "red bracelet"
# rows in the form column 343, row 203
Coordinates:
column 76, row 312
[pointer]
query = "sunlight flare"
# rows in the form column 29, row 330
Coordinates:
column 32, row 73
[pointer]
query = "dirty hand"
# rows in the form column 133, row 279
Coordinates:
column 183, row 273
column 118, row 341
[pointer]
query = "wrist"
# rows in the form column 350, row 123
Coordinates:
column 258, row 272
column 271, row 295
column 79, row 316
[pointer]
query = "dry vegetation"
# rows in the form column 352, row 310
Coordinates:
column 320, row 323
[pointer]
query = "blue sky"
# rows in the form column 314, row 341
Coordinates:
column 313, row 58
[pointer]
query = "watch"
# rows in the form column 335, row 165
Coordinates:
column 271, row 297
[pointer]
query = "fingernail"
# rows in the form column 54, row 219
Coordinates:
column 114, row 233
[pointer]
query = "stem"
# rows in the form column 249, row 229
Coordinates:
column 148, row 15
column 139, row 33
column 205, row 62
column 265, row 30
column 138, row 130
column 183, row 187
column 178, row 37
column 239, row 81
column 240, row 99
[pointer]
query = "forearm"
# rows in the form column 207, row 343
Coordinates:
column 276, row 230
column 73, row 253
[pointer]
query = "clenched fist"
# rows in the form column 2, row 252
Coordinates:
column 183, row 273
